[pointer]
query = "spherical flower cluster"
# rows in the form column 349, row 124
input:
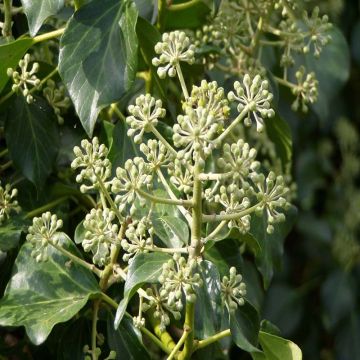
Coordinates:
column 272, row 196
column 255, row 97
column 233, row 290
column 234, row 201
column 57, row 99
column 306, row 90
column 25, row 78
column 96, row 167
column 178, row 276
column 100, row 233
column 174, row 47
column 139, row 237
column 43, row 231
column 129, row 180
column 8, row 203
column 156, row 154
column 181, row 177
column 144, row 116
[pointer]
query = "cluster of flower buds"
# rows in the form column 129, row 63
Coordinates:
column 57, row 99
column 254, row 96
column 43, row 231
column 272, row 194
column 234, row 201
column 178, row 276
column 233, row 290
column 238, row 161
column 159, row 300
column 306, row 90
column 318, row 28
column 8, row 203
column 174, row 47
column 100, row 234
column 129, row 180
column 96, row 167
column 156, row 154
column 139, row 237
column 181, row 176
column 24, row 79
column 144, row 116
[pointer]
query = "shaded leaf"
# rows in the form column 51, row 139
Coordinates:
column 172, row 231
column 10, row 232
column 40, row 295
column 98, row 54
column 37, row 11
column 32, row 138
column 145, row 268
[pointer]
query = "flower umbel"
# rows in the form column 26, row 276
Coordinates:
column 8, row 203
column 233, row 290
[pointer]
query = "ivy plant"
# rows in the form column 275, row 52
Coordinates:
column 146, row 171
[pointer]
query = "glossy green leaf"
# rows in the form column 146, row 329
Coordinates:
column 98, row 54
column 271, row 245
column 40, row 295
column 37, row 11
column 126, row 340
column 10, row 54
column 208, row 307
column 32, row 138
column 244, row 326
column 10, row 232
column 145, row 268
column 277, row 348
column 172, row 231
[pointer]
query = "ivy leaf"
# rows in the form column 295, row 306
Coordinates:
column 40, row 295
column 244, row 326
column 10, row 54
column 172, row 231
column 208, row 306
column 126, row 340
column 271, row 244
column 277, row 348
column 10, row 232
column 32, row 138
column 37, row 11
column 145, row 268
column 98, row 56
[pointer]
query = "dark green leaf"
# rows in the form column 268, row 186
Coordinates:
column 10, row 233
column 32, row 138
column 10, row 54
column 126, row 340
column 277, row 348
column 172, row 231
column 208, row 308
column 145, row 268
column 244, row 326
column 271, row 244
column 37, row 11
column 98, row 54
column 40, row 295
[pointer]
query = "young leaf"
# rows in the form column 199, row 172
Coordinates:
column 40, row 295
column 145, row 268
column 126, row 340
column 244, row 326
column 10, row 54
column 32, row 138
column 98, row 54
column 277, row 348
column 37, row 11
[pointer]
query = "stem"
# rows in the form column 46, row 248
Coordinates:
column 214, row 177
column 180, row 343
column 203, row 343
column 163, row 140
column 93, row 328
column 232, row 125
column 48, row 36
column 215, row 231
column 181, row 79
column 5, row 166
column 76, row 259
column 227, row 217
column 4, row 152
column 44, row 80
column 162, row 7
column 173, row 196
column 189, row 323
column 7, row 19
column 14, row 10
column 7, row 96
column 45, row 207
column 284, row 82
column 161, row 200
column 78, row 4
column 118, row 112
column 167, row 250
column 184, row 6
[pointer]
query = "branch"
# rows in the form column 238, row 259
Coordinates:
column 203, row 343
column 160, row 200
column 228, row 217
column 185, row 334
